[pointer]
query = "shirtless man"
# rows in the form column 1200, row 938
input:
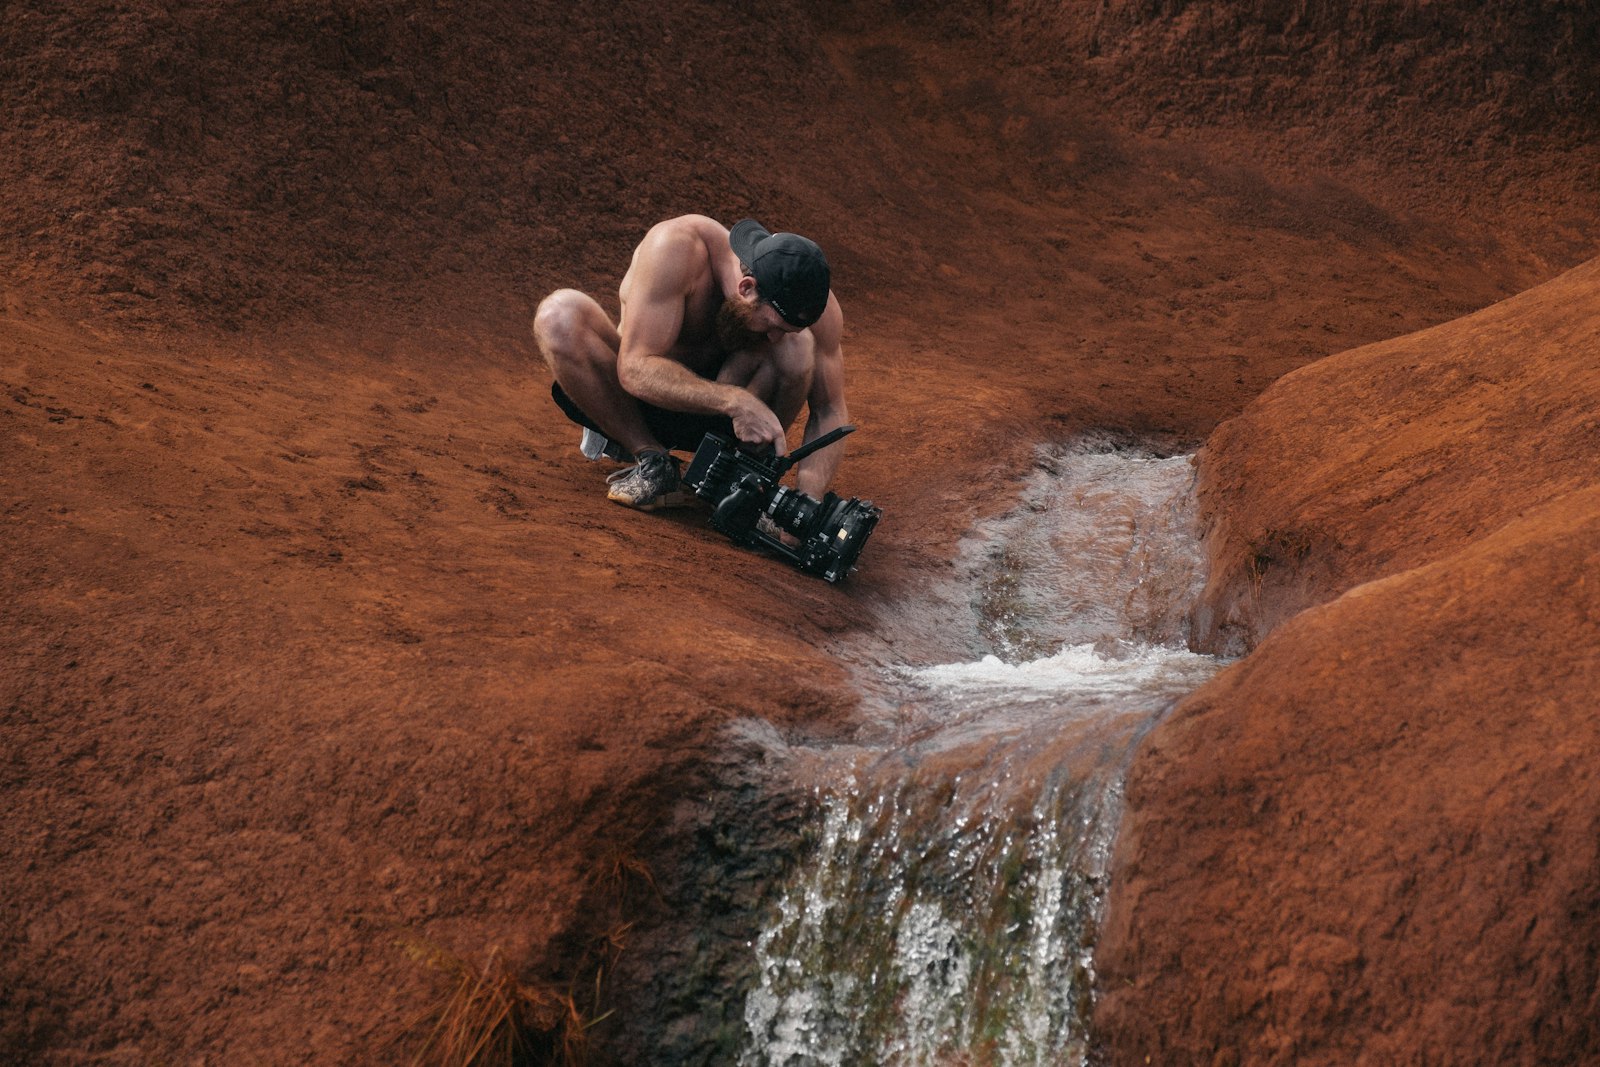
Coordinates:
column 721, row 331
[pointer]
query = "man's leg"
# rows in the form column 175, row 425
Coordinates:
column 580, row 342
column 780, row 377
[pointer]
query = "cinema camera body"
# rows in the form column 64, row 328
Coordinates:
column 742, row 487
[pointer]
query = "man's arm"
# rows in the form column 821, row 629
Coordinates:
column 826, row 408
column 658, row 283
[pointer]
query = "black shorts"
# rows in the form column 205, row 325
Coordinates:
column 678, row 430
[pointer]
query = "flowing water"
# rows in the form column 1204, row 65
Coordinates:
column 947, row 910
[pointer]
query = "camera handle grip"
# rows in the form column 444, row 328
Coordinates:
column 783, row 464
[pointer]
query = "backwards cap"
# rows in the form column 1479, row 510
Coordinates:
column 791, row 272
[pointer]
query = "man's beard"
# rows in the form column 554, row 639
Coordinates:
column 733, row 328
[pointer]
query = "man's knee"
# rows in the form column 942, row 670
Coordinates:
column 797, row 365
column 556, row 322
column 564, row 326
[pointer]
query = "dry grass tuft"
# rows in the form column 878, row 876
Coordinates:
column 489, row 1018
column 622, row 876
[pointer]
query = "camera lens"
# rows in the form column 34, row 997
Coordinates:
column 792, row 511
column 845, row 530
column 831, row 531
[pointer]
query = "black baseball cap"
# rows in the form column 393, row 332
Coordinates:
column 791, row 272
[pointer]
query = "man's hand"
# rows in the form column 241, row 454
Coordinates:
column 754, row 423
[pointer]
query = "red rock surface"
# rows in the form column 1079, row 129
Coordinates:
column 1388, row 800
column 318, row 635
column 1398, row 454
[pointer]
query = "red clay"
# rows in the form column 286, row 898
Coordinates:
column 320, row 636
column 1388, row 799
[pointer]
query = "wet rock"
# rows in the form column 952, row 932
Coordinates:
column 1377, row 833
column 680, row 986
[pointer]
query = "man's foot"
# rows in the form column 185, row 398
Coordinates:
column 649, row 484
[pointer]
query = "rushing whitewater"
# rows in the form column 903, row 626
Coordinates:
column 947, row 911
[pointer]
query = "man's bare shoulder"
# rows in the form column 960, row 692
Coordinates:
column 675, row 253
column 829, row 329
column 686, row 235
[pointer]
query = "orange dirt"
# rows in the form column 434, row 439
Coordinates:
column 319, row 635
column 1390, row 797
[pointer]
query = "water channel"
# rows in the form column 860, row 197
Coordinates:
column 945, row 911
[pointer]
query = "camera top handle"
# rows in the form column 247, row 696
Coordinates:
column 781, row 465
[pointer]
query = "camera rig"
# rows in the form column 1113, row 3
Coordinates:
column 743, row 488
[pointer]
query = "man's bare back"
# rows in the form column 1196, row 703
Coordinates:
column 701, row 339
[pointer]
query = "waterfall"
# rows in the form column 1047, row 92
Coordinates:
column 946, row 910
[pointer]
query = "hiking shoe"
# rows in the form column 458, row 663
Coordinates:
column 649, row 484
column 595, row 444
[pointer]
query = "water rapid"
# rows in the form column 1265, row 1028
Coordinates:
column 946, row 911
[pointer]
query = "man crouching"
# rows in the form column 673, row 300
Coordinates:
column 722, row 331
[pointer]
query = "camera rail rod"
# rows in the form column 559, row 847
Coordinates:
column 785, row 462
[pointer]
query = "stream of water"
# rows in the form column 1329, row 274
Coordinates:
column 947, row 911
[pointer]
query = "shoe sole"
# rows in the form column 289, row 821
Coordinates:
column 675, row 499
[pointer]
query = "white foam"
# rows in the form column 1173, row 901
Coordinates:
column 1074, row 669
